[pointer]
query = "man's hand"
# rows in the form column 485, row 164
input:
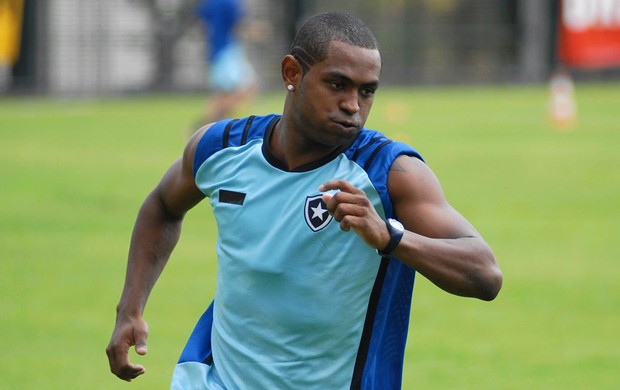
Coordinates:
column 351, row 207
column 128, row 332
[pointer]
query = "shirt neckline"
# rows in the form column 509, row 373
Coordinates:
column 277, row 163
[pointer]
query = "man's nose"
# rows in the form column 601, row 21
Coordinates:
column 350, row 102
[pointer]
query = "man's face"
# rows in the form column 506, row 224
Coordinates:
column 335, row 95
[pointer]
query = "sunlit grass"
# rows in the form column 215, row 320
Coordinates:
column 75, row 173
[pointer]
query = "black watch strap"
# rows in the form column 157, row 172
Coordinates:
column 396, row 231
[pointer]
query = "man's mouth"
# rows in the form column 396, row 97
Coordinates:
column 347, row 124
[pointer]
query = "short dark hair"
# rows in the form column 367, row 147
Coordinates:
column 312, row 40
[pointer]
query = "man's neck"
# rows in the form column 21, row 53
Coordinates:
column 294, row 151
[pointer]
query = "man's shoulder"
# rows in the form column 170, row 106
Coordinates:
column 232, row 132
column 237, row 131
column 371, row 146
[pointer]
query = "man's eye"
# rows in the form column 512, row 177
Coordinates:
column 368, row 92
column 337, row 86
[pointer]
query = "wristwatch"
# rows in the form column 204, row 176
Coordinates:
column 396, row 230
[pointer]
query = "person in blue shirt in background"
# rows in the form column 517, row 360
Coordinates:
column 231, row 75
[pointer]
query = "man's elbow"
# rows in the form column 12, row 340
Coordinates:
column 489, row 290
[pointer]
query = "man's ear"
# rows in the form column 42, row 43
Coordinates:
column 292, row 71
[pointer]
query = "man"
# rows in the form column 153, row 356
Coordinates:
column 315, row 271
column 231, row 76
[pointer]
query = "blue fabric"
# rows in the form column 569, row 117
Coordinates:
column 220, row 18
column 231, row 70
column 200, row 349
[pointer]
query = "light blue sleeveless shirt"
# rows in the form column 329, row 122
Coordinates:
column 299, row 303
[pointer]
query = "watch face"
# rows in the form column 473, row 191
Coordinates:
column 396, row 224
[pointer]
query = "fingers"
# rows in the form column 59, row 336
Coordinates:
column 341, row 185
column 344, row 201
column 126, row 335
column 354, row 211
column 120, row 364
column 345, row 210
column 141, row 348
column 130, row 372
column 346, row 205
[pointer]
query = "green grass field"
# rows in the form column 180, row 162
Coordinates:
column 74, row 174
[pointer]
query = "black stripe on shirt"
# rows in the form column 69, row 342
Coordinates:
column 362, row 352
column 246, row 130
column 227, row 132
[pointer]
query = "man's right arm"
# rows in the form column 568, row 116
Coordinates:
column 156, row 232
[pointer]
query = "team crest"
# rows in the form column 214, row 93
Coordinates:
column 316, row 214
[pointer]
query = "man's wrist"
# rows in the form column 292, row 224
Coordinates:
column 396, row 232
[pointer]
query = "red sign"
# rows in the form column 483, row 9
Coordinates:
column 589, row 34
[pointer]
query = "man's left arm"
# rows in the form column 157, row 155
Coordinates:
column 438, row 241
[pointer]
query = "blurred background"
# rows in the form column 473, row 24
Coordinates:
column 515, row 104
column 92, row 47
